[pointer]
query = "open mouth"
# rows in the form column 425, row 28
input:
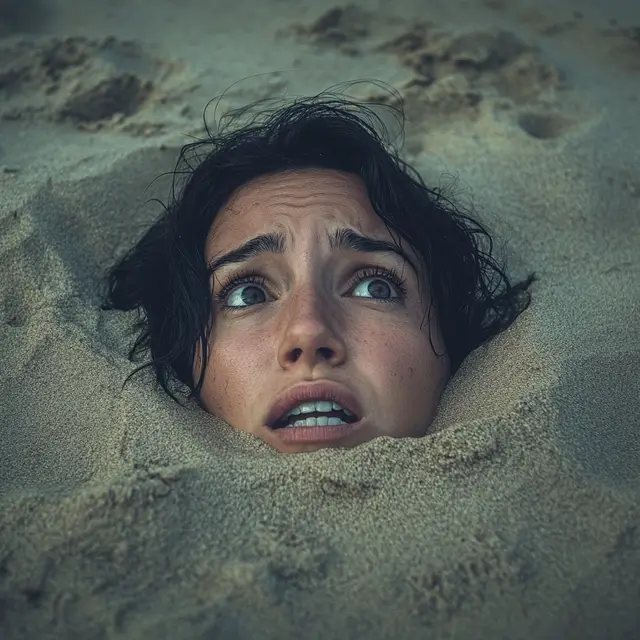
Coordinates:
column 326, row 428
column 316, row 419
column 322, row 413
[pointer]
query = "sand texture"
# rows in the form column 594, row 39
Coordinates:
column 125, row 515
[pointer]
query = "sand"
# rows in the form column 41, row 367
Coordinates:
column 125, row 515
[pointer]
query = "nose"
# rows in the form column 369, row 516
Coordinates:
column 311, row 334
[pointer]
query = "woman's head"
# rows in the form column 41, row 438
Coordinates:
column 303, row 255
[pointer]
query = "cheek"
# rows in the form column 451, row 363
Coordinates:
column 235, row 368
column 403, row 363
column 397, row 356
column 239, row 357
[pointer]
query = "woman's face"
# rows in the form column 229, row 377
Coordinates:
column 318, row 312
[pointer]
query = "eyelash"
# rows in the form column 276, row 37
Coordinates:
column 363, row 274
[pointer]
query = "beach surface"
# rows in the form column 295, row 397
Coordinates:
column 126, row 515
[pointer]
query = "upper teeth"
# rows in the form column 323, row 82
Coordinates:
column 318, row 405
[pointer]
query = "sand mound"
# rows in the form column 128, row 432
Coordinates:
column 125, row 515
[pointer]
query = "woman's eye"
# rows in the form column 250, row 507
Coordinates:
column 242, row 298
column 380, row 288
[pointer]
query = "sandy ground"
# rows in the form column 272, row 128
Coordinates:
column 124, row 515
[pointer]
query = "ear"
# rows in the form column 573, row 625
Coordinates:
column 197, row 362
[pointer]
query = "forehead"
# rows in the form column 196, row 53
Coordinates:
column 297, row 201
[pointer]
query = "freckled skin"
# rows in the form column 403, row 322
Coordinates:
column 306, row 323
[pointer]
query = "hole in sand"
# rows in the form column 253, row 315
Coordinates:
column 544, row 125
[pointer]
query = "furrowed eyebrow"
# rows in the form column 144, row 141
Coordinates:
column 275, row 242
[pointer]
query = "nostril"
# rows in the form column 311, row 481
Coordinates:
column 326, row 352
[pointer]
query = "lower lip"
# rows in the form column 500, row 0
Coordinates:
column 327, row 433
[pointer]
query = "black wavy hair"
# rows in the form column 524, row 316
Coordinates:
column 165, row 274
